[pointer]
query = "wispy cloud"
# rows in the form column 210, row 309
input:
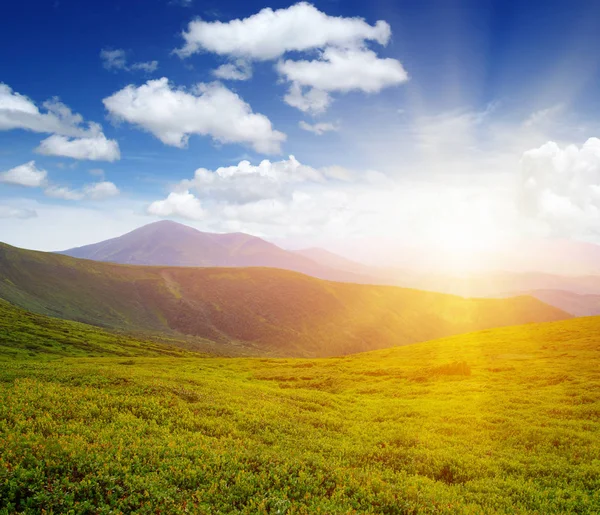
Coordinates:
column 117, row 60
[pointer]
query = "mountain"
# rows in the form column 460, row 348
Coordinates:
column 502, row 283
column 573, row 303
column 329, row 259
column 263, row 309
column 169, row 243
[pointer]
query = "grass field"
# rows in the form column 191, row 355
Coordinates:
column 500, row 421
column 26, row 335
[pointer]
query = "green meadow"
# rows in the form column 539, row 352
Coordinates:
column 499, row 421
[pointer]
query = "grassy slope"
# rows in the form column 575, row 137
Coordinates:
column 266, row 309
column 25, row 335
column 500, row 421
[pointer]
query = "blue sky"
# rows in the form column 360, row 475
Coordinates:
column 426, row 137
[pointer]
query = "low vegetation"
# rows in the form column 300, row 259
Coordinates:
column 499, row 421
column 26, row 335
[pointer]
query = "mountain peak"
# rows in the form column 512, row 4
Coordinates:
column 165, row 225
column 168, row 243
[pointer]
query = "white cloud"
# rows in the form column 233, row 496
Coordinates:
column 63, row 193
column 172, row 115
column 345, row 63
column 113, row 59
column 339, row 173
column 345, row 70
column 313, row 101
column 94, row 191
column 544, row 116
column 15, row 212
column 302, row 213
column 20, row 112
column 183, row 204
column 286, row 195
column 29, row 175
column 25, row 175
column 117, row 60
column 269, row 34
column 101, row 190
column 95, row 148
column 319, row 128
column 245, row 182
column 238, row 70
column 560, row 188
column 148, row 67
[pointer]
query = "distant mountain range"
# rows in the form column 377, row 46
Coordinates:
column 573, row 303
column 169, row 243
column 274, row 312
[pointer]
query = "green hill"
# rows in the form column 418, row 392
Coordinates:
column 501, row 421
column 24, row 335
column 262, row 309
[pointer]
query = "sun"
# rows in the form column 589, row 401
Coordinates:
column 464, row 247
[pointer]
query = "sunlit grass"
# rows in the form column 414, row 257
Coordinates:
column 501, row 421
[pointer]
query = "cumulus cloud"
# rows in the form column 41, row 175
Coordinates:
column 345, row 70
column 101, row 190
column 311, row 100
column 269, row 34
column 284, row 194
column 30, row 176
column 302, row 213
column 560, row 188
column 117, row 60
column 319, row 128
column 172, row 115
column 345, row 63
column 238, row 70
column 15, row 212
column 94, row 191
column 63, row 193
column 244, row 182
column 94, row 148
column 20, row 112
column 178, row 204
column 25, row 175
